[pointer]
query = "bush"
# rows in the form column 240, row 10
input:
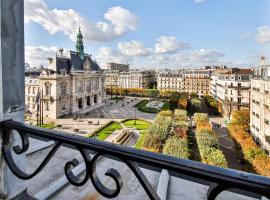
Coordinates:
column 212, row 104
column 257, row 158
column 212, row 156
column 166, row 113
column 157, row 133
column 180, row 129
column 195, row 105
column 177, row 147
column 194, row 95
column 200, row 118
column 180, row 115
column 152, row 142
column 207, row 138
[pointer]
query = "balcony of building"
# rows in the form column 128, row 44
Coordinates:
column 42, row 164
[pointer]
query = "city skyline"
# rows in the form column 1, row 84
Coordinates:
column 188, row 33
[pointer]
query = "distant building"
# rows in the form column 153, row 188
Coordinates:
column 231, row 87
column 185, row 80
column 129, row 79
column 136, row 79
column 71, row 84
column 118, row 67
column 260, row 104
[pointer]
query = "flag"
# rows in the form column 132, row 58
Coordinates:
column 37, row 97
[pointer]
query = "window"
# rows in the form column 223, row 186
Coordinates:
column 47, row 89
column 239, row 93
column 80, row 87
column 88, row 101
column 239, row 100
column 239, row 85
column 47, row 106
column 29, row 90
column 63, row 88
column 34, row 90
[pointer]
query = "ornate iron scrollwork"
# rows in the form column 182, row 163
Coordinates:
column 90, row 166
column 221, row 179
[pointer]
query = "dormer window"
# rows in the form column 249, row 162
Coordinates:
column 63, row 72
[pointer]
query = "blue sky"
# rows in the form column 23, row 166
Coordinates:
column 152, row 33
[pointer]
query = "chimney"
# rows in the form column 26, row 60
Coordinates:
column 60, row 50
column 50, row 59
column 262, row 61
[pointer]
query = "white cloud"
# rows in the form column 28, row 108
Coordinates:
column 263, row 35
column 107, row 54
column 38, row 55
column 169, row 44
column 199, row 1
column 133, row 48
column 207, row 56
column 118, row 21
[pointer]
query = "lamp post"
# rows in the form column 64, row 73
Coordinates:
column 135, row 113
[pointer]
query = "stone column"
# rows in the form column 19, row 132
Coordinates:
column 11, row 86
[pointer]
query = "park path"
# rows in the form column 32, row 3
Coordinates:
column 226, row 144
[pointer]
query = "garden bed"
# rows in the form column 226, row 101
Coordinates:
column 103, row 132
column 142, row 106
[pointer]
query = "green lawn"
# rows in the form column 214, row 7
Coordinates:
column 49, row 126
column 142, row 107
column 140, row 124
column 140, row 141
column 106, row 131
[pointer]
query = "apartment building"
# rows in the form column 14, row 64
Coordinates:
column 185, row 80
column 136, row 79
column 117, row 67
column 260, row 104
column 232, row 88
column 129, row 79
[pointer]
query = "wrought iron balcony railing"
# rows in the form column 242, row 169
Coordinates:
column 218, row 179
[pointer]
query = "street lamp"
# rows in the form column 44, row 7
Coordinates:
column 135, row 113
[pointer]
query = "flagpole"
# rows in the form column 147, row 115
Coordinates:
column 40, row 110
column 37, row 113
column 42, row 122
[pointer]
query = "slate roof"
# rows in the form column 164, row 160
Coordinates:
column 239, row 71
column 75, row 62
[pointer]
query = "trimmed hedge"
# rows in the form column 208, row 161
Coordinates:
column 157, row 133
column 180, row 115
column 176, row 146
column 207, row 141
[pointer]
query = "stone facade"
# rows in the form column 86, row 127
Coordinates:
column 118, row 67
column 232, row 88
column 62, row 94
column 129, row 79
column 260, row 105
column 69, row 85
column 185, row 80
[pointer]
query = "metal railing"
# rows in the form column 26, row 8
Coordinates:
column 218, row 179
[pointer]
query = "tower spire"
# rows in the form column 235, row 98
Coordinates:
column 79, row 44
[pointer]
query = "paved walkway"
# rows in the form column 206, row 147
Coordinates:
column 227, row 145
